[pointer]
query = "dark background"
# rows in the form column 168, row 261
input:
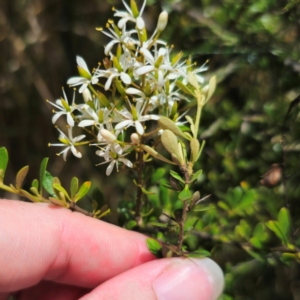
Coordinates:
column 252, row 46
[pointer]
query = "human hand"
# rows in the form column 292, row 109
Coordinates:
column 52, row 253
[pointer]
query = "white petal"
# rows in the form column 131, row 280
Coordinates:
column 94, row 80
column 144, row 70
column 79, row 138
column 109, row 46
column 83, row 87
column 82, row 64
column 120, row 14
column 200, row 78
column 85, row 123
column 109, row 80
column 143, row 7
column 134, row 91
column 139, row 128
column 148, row 55
column 162, row 52
column 86, row 94
column 99, row 152
column 122, row 22
column 70, row 120
column 160, row 81
column 117, row 148
column 123, row 124
column 56, row 116
column 76, row 80
column 149, row 117
column 126, row 162
column 65, row 152
column 110, row 167
column 125, row 78
column 75, row 152
column 140, row 24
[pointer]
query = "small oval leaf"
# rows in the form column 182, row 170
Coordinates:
column 3, row 162
column 74, row 187
column 154, row 247
column 83, row 190
column 21, row 176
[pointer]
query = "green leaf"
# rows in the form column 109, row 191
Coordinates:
column 48, row 183
column 260, row 232
column 193, row 80
column 35, row 184
column 203, row 208
column 29, row 196
column 195, row 147
column 255, row 242
column 131, row 224
column 103, row 100
column 43, row 168
column 284, row 221
column 74, row 187
column 275, row 227
column 196, row 175
column 83, row 73
column 185, row 194
column 184, row 88
column 21, row 176
column 58, row 202
column 223, row 205
column 199, row 253
column 3, row 162
column 170, row 142
column 103, row 213
column 34, row 191
column 83, row 190
column 58, row 187
column 176, row 176
column 212, row 87
column 154, row 247
column 144, row 191
column 155, row 154
column 166, row 123
column 158, row 224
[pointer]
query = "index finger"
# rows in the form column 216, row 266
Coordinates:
column 42, row 241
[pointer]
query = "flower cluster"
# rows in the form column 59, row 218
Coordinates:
column 140, row 81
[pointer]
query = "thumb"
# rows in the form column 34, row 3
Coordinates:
column 165, row 279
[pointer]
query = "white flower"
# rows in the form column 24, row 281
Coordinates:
column 112, row 73
column 155, row 63
column 123, row 38
column 80, row 80
column 65, row 109
column 69, row 142
column 135, row 118
column 141, row 95
column 110, row 140
column 128, row 16
column 200, row 78
column 98, row 119
column 167, row 95
column 113, row 159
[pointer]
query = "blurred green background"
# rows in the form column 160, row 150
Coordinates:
column 254, row 49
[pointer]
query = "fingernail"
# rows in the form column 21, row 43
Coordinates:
column 189, row 278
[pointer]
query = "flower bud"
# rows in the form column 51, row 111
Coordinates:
column 135, row 139
column 86, row 94
column 162, row 21
column 108, row 136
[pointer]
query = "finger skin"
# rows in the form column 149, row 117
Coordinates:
column 44, row 242
column 167, row 279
